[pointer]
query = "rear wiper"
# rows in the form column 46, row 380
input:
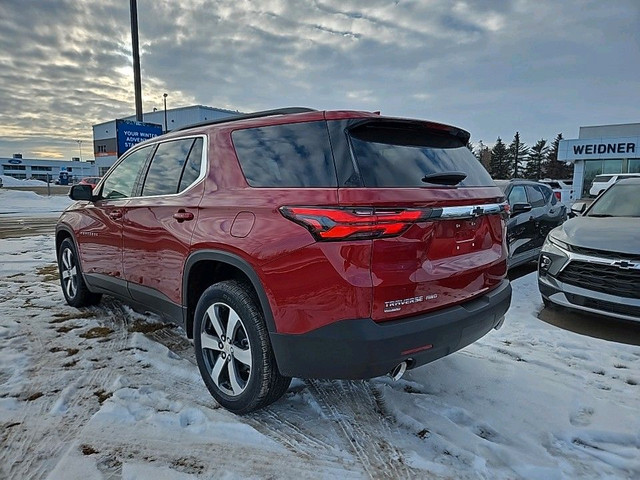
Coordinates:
column 445, row 178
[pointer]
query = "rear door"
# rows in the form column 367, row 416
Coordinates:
column 159, row 222
column 454, row 251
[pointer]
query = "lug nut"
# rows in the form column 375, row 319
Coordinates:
column 224, row 355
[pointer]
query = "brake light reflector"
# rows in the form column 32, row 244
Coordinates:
column 356, row 223
column 558, row 195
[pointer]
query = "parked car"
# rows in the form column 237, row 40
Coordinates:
column 562, row 189
column 93, row 181
column 592, row 262
column 602, row 182
column 535, row 211
column 297, row 243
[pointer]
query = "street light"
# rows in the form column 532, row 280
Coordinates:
column 80, row 147
column 164, row 95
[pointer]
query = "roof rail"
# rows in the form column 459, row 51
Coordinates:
column 246, row 116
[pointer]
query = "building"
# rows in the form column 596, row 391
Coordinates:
column 601, row 149
column 43, row 169
column 110, row 141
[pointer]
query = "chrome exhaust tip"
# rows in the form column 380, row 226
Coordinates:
column 398, row 371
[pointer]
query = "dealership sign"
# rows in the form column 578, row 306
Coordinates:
column 15, row 161
column 599, row 148
column 130, row 133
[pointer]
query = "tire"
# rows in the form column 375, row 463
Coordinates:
column 233, row 351
column 74, row 288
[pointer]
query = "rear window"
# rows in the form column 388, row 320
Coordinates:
column 603, row 178
column 292, row 155
column 400, row 155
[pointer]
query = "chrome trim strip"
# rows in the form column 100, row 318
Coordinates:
column 471, row 211
column 579, row 257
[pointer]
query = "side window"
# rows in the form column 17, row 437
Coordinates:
column 122, row 179
column 517, row 195
column 166, row 168
column 536, row 199
column 547, row 193
column 191, row 170
column 292, row 155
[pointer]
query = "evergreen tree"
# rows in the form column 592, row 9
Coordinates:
column 535, row 160
column 483, row 154
column 498, row 166
column 470, row 146
column 552, row 168
column 517, row 153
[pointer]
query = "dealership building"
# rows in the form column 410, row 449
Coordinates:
column 43, row 169
column 111, row 139
column 601, row 149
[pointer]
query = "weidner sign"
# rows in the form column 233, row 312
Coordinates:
column 594, row 148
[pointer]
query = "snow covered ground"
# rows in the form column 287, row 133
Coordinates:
column 30, row 204
column 9, row 181
column 107, row 393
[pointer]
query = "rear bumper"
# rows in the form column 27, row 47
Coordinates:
column 362, row 348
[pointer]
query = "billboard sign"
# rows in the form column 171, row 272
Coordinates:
column 130, row 133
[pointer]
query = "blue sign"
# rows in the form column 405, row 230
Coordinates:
column 130, row 133
column 15, row 161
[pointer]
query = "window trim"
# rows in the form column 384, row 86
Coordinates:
column 204, row 166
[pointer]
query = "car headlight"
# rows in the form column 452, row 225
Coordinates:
column 551, row 243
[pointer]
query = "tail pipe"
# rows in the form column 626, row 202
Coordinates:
column 397, row 372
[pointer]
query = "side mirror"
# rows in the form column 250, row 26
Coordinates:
column 578, row 208
column 81, row 192
column 518, row 208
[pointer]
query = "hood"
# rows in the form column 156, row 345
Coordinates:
column 613, row 234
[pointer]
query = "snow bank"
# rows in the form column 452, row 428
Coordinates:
column 8, row 181
column 530, row 401
column 24, row 203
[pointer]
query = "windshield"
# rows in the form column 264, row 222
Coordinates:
column 621, row 200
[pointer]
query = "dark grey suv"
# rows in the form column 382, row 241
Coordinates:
column 592, row 262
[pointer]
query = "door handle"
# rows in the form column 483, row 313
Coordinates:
column 182, row 216
column 115, row 214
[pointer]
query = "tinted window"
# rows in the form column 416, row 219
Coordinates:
column 400, row 154
column 293, row 155
column 166, row 168
column 192, row 168
column 517, row 195
column 122, row 179
column 547, row 193
column 535, row 196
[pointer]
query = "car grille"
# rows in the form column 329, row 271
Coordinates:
column 602, row 278
column 619, row 308
column 604, row 254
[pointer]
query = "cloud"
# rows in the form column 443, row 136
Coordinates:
column 492, row 67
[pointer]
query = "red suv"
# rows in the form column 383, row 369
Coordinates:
column 294, row 242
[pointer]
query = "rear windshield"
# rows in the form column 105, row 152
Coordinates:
column 400, row 155
column 291, row 155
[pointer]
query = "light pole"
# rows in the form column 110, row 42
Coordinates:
column 164, row 98
column 80, row 147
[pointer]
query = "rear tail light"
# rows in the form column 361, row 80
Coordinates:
column 354, row 223
column 357, row 223
column 558, row 195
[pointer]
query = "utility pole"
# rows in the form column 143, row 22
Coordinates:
column 80, row 147
column 164, row 97
column 136, row 58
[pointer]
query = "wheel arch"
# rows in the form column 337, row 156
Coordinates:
column 63, row 232
column 225, row 266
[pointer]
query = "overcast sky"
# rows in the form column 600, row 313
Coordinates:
column 491, row 67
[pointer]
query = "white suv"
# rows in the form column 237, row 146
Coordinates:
column 602, row 182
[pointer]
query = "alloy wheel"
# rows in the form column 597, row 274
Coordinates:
column 69, row 273
column 226, row 349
